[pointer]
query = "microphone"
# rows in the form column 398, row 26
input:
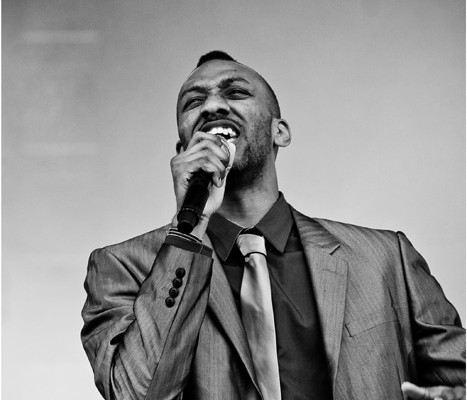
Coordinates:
column 195, row 199
column 198, row 192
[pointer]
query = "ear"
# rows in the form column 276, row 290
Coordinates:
column 281, row 134
column 179, row 147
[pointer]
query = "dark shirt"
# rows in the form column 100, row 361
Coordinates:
column 302, row 362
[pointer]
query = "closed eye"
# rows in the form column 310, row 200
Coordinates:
column 237, row 93
column 193, row 102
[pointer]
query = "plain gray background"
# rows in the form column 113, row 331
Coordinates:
column 374, row 91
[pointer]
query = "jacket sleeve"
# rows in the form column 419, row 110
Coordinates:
column 438, row 336
column 140, row 346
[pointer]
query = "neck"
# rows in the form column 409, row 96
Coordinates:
column 247, row 205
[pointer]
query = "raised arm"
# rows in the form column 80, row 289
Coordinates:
column 141, row 328
column 139, row 335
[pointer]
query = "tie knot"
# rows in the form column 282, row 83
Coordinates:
column 249, row 243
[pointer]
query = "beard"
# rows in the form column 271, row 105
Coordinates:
column 249, row 168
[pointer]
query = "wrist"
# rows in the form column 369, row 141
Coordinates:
column 199, row 230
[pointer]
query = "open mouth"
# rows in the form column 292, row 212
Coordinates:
column 225, row 130
column 226, row 133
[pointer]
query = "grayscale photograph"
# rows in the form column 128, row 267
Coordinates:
column 233, row 200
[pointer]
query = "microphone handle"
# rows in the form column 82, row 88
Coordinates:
column 195, row 199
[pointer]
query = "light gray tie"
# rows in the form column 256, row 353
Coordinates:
column 258, row 316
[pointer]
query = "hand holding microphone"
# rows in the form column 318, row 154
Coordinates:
column 199, row 175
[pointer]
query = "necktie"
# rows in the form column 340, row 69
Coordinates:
column 257, row 314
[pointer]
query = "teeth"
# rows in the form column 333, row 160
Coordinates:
column 227, row 132
column 230, row 132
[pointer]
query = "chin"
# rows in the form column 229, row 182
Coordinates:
column 243, row 176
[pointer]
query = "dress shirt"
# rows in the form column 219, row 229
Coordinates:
column 302, row 362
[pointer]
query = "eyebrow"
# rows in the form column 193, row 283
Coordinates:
column 223, row 84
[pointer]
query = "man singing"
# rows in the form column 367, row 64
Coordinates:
column 260, row 301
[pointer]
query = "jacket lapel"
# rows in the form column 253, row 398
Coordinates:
column 329, row 278
column 222, row 304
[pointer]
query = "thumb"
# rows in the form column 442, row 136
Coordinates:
column 229, row 148
column 415, row 392
column 232, row 150
column 217, row 192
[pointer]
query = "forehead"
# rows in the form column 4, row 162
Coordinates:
column 214, row 71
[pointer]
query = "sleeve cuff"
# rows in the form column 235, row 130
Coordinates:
column 187, row 242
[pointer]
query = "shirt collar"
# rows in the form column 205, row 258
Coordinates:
column 275, row 226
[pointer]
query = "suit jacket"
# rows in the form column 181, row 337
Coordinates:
column 384, row 318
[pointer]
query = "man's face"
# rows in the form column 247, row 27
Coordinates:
column 228, row 99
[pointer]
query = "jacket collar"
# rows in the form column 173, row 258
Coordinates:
column 275, row 226
column 312, row 233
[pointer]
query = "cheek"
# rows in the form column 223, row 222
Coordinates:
column 185, row 129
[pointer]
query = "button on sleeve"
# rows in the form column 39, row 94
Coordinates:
column 169, row 302
column 180, row 272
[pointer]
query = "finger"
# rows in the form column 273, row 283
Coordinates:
column 447, row 393
column 232, row 151
column 205, row 160
column 211, row 165
column 200, row 136
column 218, row 148
column 197, row 159
column 459, row 392
column 415, row 392
column 435, row 393
column 230, row 147
column 204, row 150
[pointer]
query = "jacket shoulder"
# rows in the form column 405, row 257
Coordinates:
column 364, row 238
column 355, row 237
column 345, row 229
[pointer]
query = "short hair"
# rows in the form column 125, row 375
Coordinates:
column 222, row 55
column 214, row 55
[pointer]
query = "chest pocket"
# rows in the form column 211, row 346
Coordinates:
column 370, row 321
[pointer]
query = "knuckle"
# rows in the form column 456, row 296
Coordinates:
column 211, row 145
column 207, row 165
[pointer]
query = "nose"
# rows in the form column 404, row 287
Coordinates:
column 214, row 104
